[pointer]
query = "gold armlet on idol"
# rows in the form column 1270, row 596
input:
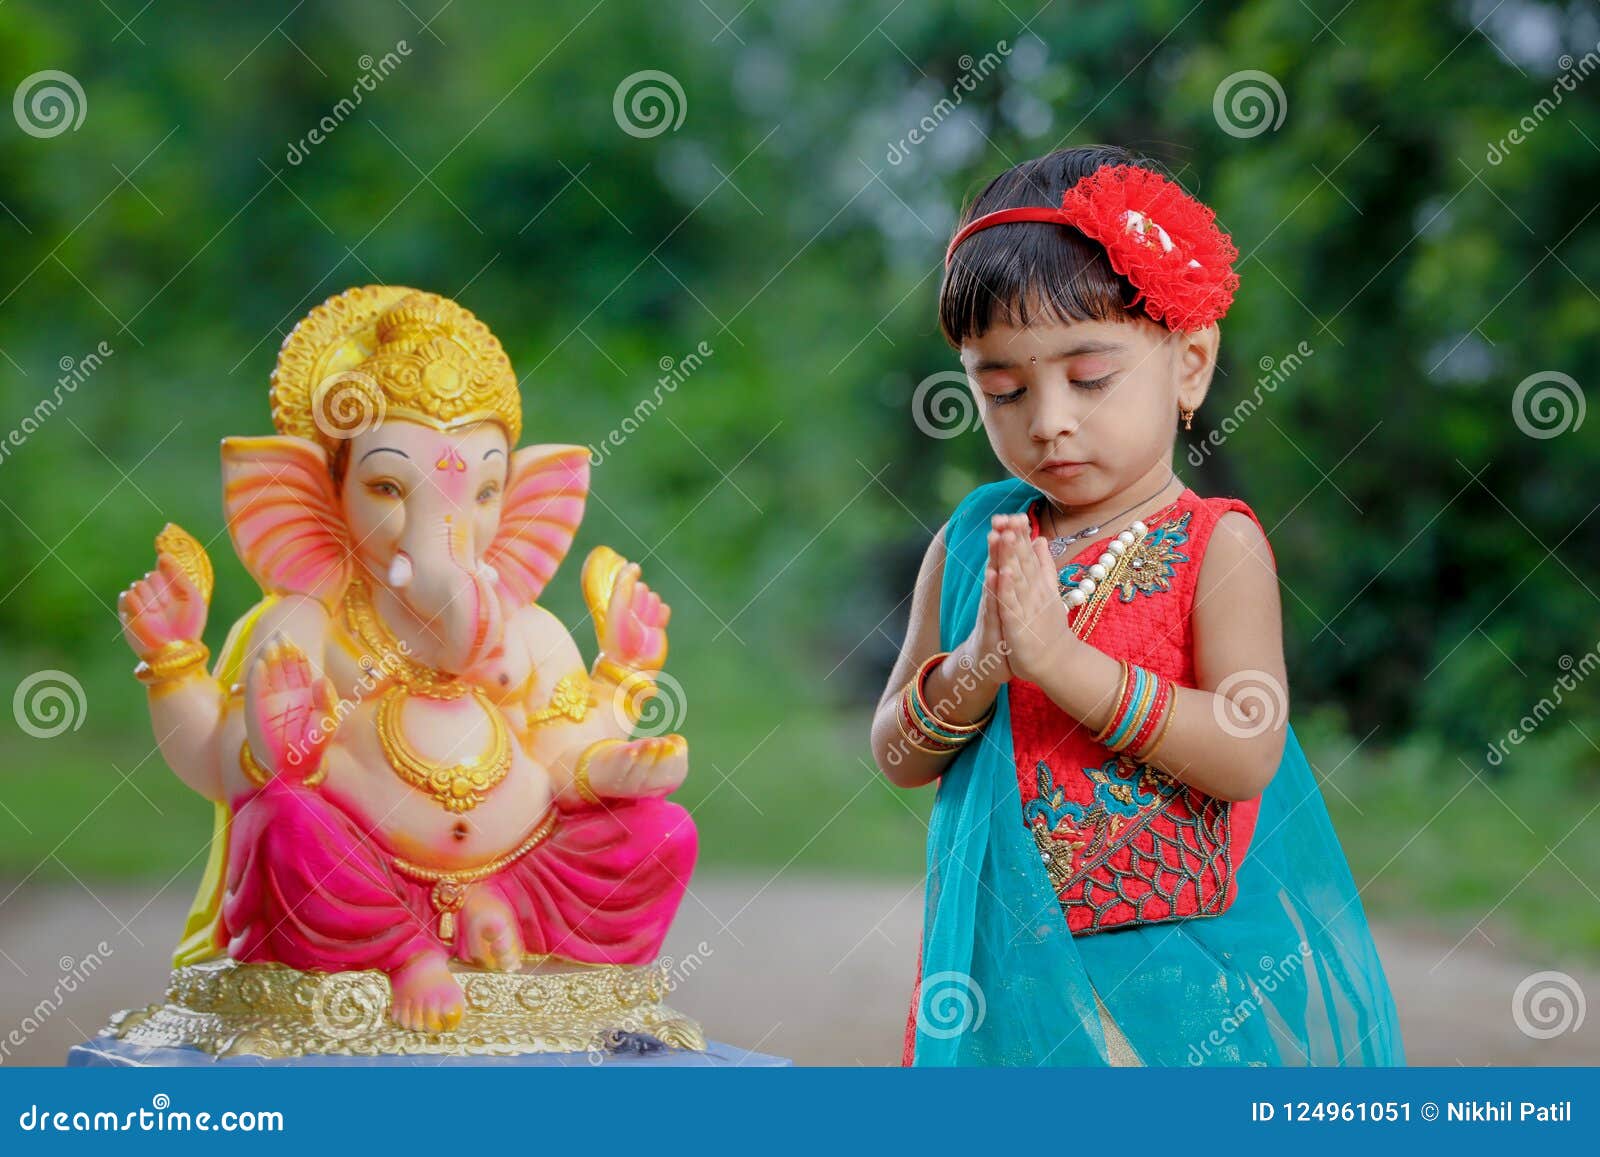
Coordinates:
column 637, row 684
column 580, row 770
column 570, row 699
column 258, row 775
column 175, row 661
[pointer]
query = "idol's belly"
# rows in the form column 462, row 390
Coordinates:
column 440, row 829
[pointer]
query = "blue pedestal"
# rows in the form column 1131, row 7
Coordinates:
column 106, row 1051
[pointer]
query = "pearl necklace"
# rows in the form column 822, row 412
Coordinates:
column 1083, row 590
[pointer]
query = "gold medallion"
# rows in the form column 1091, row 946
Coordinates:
column 458, row 787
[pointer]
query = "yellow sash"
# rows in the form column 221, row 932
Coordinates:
column 200, row 940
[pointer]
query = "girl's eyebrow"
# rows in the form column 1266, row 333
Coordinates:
column 1075, row 351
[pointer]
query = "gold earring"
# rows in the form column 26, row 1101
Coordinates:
column 1185, row 413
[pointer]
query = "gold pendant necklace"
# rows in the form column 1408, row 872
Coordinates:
column 458, row 787
column 387, row 653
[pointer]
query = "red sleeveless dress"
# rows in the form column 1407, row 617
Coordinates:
column 1123, row 842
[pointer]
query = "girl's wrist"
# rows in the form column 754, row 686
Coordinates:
column 965, row 684
column 1054, row 676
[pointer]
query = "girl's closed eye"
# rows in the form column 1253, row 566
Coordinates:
column 1007, row 398
column 1091, row 373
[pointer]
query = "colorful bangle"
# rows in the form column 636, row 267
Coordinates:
column 931, row 719
column 920, row 733
column 1166, row 722
column 930, row 724
column 1123, row 689
column 1141, row 703
column 1146, row 703
column 918, row 738
column 1153, row 716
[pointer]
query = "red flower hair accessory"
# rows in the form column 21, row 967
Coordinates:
column 1157, row 236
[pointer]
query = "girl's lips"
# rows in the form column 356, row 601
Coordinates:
column 1063, row 469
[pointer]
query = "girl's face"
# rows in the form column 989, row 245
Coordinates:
column 1083, row 410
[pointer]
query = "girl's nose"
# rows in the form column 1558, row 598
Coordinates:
column 1052, row 415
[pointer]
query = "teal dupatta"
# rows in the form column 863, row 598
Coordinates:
column 1288, row 974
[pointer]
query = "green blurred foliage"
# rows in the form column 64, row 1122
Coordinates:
column 1437, row 561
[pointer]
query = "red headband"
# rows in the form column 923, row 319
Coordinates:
column 1157, row 236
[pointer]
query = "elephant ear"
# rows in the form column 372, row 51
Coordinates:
column 284, row 517
column 543, row 506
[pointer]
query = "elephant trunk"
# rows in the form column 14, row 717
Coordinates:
column 436, row 573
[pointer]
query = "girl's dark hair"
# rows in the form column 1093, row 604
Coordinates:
column 1010, row 273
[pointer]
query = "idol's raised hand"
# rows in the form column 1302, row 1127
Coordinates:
column 635, row 627
column 161, row 609
column 284, row 700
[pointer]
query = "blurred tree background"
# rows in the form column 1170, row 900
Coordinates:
column 735, row 304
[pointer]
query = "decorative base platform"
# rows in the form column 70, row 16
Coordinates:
column 106, row 1051
column 222, row 1010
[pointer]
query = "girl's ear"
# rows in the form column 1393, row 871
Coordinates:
column 1197, row 362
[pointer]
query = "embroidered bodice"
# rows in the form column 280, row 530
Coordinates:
column 1122, row 841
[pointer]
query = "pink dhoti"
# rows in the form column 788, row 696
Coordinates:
column 307, row 887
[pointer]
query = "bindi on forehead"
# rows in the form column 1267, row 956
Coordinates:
column 447, row 467
column 447, row 458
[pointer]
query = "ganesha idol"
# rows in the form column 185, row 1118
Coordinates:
column 434, row 832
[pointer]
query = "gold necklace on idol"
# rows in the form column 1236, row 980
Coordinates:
column 458, row 787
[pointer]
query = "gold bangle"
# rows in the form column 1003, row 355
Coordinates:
column 905, row 733
column 609, row 670
column 260, row 776
column 933, row 716
column 1161, row 732
column 1138, row 711
column 1122, row 689
column 640, row 684
column 177, row 659
column 913, row 725
column 580, row 770
column 253, row 771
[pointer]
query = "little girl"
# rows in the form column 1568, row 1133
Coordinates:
column 1129, row 860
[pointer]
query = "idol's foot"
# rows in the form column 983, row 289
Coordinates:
column 490, row 928
column 426, row 997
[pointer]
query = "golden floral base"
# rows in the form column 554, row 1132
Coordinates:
column 268, row 1010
